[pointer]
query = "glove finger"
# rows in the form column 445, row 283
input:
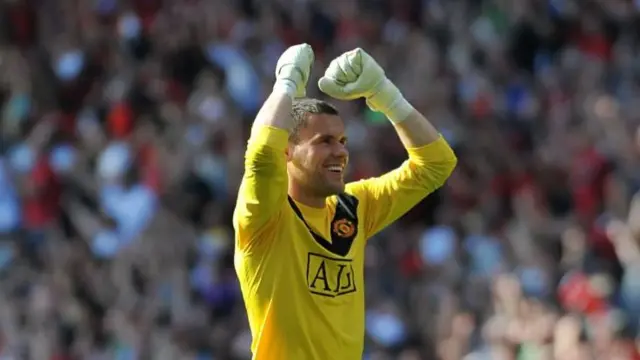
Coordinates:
column 347, row 68
column 334, row 71
column 336, row 90
column 307, row 52
column 354, row 61
column 331, row 87
column 299, row 56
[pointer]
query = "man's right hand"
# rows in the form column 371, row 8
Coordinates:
column 293, row 69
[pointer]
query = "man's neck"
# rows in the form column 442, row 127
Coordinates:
column 306, row 199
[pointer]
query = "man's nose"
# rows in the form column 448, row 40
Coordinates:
column 340, row 150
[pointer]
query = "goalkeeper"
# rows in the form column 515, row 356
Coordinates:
column 300, row 231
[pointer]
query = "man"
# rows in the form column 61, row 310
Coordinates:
column 300, row 231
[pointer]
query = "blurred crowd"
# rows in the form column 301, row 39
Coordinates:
column 122, row 132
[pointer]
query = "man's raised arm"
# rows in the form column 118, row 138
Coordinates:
column 264, row 184
column 356, row 74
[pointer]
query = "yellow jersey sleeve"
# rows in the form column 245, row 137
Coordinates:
column 263, row 189
column 388, row 197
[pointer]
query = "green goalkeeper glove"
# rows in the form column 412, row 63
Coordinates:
column 292, row 70
column 355, row 74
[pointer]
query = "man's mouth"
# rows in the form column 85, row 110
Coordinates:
column 335, row 168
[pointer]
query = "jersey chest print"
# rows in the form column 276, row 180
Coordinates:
column 333, row 275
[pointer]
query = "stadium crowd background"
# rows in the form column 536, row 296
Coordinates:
column 121, row 143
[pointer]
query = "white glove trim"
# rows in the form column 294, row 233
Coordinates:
column 389, row 101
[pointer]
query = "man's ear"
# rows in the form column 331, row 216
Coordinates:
column 288, row 151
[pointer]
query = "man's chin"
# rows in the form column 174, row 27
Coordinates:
column 335, row 188
column 328, row 185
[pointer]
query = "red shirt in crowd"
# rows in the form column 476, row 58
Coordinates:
column 147, row 11
column 588, row 175
column 42, row 204
column 577, row 294
column 150, row 167
column 22, row 22
column 595, row 45
column 120, row 120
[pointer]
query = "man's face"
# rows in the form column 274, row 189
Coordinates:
column 317, row 161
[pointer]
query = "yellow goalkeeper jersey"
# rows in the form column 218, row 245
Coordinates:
column 301, row 268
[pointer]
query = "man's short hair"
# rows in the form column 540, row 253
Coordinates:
column 301, row 110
